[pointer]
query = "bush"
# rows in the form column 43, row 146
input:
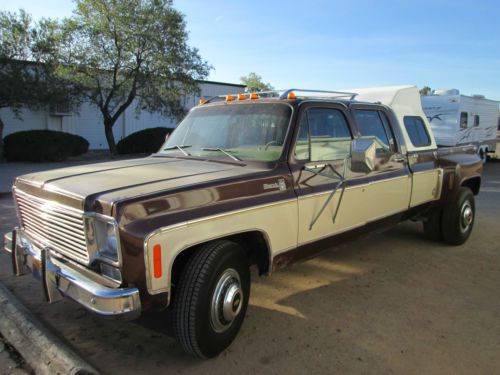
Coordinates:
column 43, row 145
column 145, row 141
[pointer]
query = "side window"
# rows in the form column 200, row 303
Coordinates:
column 302, row 144
column 464, row 119
column 388, row 131
column 323, row 135
column 476, row 120
column 417, row 132
column 370, row 126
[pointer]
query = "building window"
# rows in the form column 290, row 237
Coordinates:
column 464, row 120
column 476, row 120
column 323, row 135
column 417, row 132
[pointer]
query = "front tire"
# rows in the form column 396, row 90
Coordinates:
column 211, row 299
column 458, row 218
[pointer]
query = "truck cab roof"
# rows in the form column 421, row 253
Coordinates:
column 403, row 100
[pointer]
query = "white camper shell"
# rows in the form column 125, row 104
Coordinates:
column 461, row 120
column 405, row 103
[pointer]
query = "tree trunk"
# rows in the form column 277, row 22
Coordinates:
column 2, row 159
column 110, row 137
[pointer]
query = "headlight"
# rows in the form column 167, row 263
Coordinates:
column 102, row 239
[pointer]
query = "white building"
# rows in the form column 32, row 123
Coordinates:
column 87, row 121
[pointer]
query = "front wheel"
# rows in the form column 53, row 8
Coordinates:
column 211, row 299
column 458, row 218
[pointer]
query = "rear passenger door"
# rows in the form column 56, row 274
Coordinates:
column 388, row 186
column 426, row 174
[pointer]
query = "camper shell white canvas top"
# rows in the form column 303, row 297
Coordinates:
column 404, row 101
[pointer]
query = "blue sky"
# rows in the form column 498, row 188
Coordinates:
column 337, row 44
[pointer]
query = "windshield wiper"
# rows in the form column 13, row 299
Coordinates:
column 223, row 151
column 180, row 148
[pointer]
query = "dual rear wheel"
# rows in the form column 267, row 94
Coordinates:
column 452, row 224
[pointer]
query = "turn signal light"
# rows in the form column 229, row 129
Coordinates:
column 157, row 261
column 229, row 98
column 202, row 101
column 254, row 96
column 291, row 95
column 242, row 96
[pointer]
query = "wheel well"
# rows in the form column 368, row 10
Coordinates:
column 473, row 183
column 254, row 243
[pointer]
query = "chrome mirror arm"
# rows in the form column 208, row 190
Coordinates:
column 341, row 185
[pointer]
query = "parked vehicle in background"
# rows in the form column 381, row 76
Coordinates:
column 462, row 120
column 250, row 180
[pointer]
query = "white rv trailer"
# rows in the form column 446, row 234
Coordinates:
column 460, row 120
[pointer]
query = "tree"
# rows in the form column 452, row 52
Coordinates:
column 27, row 75
column 130, row 51
column 426, row 90
column 254, row 83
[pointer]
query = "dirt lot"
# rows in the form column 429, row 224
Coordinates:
column 391, row 302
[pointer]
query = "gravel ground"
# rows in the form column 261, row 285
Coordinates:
column 11, row 363
column 390, row 302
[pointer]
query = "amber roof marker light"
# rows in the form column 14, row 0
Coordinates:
column 291, row 96
column 242, row 97
column 254, row 96
column 202, row 101
column 229, row 98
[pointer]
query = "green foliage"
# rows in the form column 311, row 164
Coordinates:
column 43, row 145
column 121, row 51
column 27, row 66
column 254, row 83
column 28, row 54
column 145, row 141
column 426, row 90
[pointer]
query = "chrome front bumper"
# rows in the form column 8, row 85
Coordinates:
column 61, row 277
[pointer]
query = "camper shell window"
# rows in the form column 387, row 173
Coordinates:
column 464, row 119
column 417, row 132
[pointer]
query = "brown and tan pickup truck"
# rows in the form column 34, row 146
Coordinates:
column 250, row 180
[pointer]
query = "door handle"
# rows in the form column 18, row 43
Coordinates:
column 399, row 158
column 314, row 167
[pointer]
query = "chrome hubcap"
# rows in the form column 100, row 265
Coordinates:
column 226, row 300
column 467, row 216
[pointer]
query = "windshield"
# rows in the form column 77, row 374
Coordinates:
column 253, row 131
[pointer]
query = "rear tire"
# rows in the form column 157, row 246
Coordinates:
column 432, row 226
column 458, row 218
column 211, row 299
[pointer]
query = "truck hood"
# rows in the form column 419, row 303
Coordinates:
column 95, row 186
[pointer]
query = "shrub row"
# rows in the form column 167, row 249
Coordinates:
column 144, row 141
column 49, row 145
column 43, row 145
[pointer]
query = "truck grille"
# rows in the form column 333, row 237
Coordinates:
column 54, row 225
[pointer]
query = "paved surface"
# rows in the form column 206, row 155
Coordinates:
column 10, row 361
column 388, row 303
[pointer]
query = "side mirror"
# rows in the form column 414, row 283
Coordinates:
column 363, row 155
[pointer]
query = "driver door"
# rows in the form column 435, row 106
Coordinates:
column 322, row 146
